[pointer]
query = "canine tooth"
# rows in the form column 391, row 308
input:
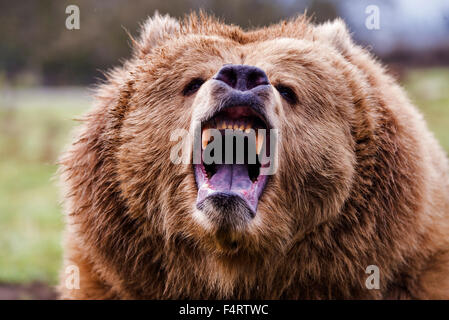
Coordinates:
column 205, row 137
column 259, row 143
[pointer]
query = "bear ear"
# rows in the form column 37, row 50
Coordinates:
column 336, row 34
column 153, row 31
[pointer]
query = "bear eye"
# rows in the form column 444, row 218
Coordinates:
column 193, row 86
column 287, row 93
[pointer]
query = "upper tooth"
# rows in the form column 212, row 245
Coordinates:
column 259, row 143
column 205, row 137
column 234, row 125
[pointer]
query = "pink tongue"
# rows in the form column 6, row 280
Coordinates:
column 231, row 177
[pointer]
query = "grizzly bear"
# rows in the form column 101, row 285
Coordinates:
column 357, row 206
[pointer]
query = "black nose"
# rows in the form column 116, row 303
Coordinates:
column 242, row 77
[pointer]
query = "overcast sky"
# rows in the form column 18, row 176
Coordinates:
column 416, row 24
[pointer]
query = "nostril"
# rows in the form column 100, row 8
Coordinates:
column 242, row 77
column 228, row 75
column 256, row 78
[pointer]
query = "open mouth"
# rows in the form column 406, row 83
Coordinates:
column 233, row 148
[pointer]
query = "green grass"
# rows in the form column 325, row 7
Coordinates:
column 429, row 91
column 35, row 125
column 29, row 223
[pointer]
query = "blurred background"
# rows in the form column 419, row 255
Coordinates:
column 46, row 71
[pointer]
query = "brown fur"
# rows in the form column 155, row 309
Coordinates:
column 360, row 181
